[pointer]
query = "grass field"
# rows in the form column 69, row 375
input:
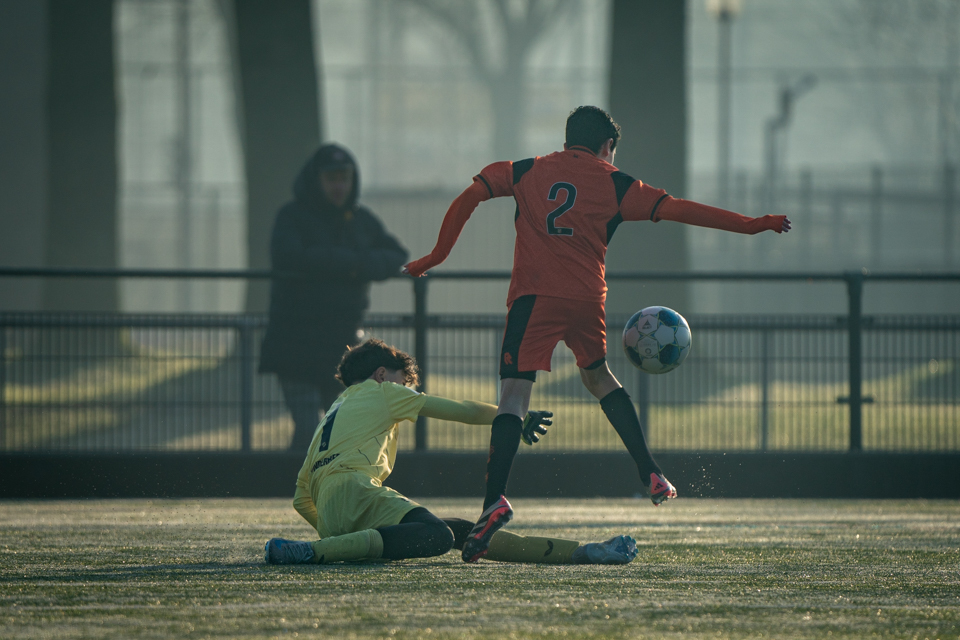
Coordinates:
column 707, row 568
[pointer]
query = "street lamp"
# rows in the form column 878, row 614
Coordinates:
column 776, row 128
column 724, row 11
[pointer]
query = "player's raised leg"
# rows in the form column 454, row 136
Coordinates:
column 618, row 408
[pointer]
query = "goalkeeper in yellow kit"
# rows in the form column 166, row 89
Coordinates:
column 340, row 491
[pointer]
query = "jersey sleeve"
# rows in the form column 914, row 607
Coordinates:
column 403, row 402
column 497, row 178
column 302, row 500
column 641, row 201
column 465, row 411
column 703, row 215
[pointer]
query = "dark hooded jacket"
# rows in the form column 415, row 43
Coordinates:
column 340, row 250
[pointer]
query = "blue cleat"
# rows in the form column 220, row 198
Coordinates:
column 280, row 551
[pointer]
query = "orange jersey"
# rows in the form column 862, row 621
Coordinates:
column 569, row 204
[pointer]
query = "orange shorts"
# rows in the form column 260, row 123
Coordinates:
column 535, row 324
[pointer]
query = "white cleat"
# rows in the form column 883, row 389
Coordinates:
column 616, row 550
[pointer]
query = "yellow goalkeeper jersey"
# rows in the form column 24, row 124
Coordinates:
column 359, row 433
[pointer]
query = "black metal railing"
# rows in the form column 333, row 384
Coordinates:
column 187, row 382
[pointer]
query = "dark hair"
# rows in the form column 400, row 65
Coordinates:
column 590, row 127
column 359, row 363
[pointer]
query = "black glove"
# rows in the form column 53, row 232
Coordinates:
column 535, row 425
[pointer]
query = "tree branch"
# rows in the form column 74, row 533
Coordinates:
column 466, row 29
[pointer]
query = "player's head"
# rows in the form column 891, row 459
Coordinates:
column 359, row 363
column 336, row 169
column 591, row 127
column 329, row 182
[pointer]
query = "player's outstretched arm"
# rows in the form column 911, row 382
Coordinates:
column 453, row 222
column 470, row 412
column 702, row 215
column 465, row 411
column 495, row 181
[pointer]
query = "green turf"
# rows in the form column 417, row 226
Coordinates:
column 707, row 568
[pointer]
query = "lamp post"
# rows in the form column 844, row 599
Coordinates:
column 724, row 11
column 775, row 130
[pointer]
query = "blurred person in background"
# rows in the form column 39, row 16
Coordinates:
column 333, row 248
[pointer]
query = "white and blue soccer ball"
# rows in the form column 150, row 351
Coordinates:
column 656, row 339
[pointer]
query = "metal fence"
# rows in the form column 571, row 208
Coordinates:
column 89, row 382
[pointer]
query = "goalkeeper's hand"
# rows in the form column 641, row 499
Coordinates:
column 535, row 425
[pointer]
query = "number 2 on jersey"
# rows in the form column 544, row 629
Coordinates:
column 555, row 190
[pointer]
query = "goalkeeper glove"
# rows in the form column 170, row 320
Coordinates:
column 535, row 425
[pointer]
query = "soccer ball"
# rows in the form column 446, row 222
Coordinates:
column 656, row 339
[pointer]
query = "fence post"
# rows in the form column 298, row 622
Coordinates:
column 246, row 382
column 949, row 195
column 420, row 351
column 765, row 339
column 854, row 337
column 876, row 216
column 3, row 384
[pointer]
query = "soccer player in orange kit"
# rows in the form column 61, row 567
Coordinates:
column 569, row 204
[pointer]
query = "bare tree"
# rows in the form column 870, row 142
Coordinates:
column 648, row 51
column 497, row 36
column 278, row 111
column 81, row 110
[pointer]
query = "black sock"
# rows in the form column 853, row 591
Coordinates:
column 623, row 417
column 461, row 529
column 504, row 440
column 419, row 535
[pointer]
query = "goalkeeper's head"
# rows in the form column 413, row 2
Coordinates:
column 362, row 362
column 593, row 128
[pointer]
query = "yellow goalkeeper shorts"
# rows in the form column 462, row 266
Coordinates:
column 349, row 502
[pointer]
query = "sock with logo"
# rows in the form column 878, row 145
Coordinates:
column 509, row 547
column 359, row 545
column 504, row 441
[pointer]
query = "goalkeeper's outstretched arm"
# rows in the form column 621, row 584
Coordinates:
column 470, row 412
column 465, row 411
